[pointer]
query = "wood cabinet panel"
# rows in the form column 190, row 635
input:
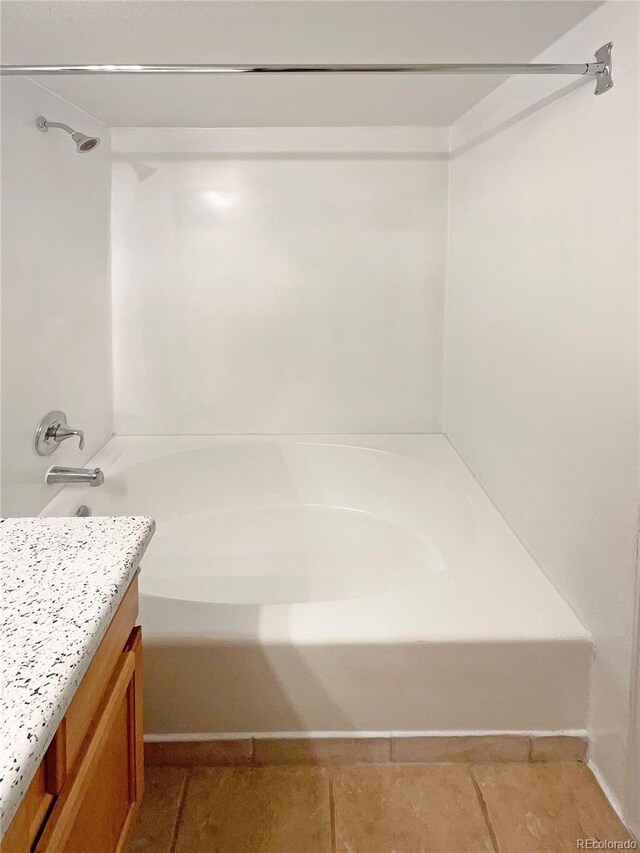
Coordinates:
column 136, row 718
column 105, row 802
column 96, row 806
column 89, row 694
column 30, row 814
column 40, row 794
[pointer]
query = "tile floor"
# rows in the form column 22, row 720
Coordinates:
column 374, row 808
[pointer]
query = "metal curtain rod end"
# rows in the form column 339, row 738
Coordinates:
column 604, row 81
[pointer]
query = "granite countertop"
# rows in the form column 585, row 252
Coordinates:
column 62, row 581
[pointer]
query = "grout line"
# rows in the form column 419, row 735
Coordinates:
column 183, row 798
column 332, row 813
column 483, row 807
column 530, row 750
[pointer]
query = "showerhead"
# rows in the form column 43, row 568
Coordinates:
column 83, row 142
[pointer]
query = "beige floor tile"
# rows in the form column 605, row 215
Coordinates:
column 155, row 823
column 408, row 809
column 266, row 809
column 210, row 753
column 545, row 808
column 465, row 748
column 324, row 750
column 558, row 748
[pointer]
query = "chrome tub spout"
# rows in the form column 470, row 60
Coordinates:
column 59, row 475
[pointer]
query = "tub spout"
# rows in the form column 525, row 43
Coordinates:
column 59, row 475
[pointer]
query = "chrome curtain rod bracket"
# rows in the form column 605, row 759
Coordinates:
column 603, row 56
column 601, row 69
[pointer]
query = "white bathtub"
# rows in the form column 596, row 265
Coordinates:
column 336, row 583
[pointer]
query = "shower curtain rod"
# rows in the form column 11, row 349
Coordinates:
column 600, row 69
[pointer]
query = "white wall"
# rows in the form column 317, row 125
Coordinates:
column 541, row 374
column 633, row 769
column 293, row 288
column 55, row 289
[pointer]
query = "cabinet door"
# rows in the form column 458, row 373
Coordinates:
column 96, row 806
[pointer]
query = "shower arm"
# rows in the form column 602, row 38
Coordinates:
column 600, row 69
column 45, row 124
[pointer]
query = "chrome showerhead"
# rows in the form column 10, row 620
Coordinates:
column 83, row 142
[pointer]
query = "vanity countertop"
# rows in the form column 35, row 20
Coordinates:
column 62, row 581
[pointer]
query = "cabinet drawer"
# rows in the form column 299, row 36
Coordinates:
column 97, row 803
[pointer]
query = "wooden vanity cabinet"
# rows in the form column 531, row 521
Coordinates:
column 86, row 792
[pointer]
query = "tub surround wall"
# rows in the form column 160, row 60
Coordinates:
column 56, row 343
column 541, row 346
column 278, row 282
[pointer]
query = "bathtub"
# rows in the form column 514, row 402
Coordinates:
column 335, row 584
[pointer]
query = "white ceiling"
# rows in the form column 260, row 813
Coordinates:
column 209, row 31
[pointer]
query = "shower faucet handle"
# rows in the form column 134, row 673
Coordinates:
column 52, row 431
column 61, row 433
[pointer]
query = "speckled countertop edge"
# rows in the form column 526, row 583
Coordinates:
column 62, row 580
